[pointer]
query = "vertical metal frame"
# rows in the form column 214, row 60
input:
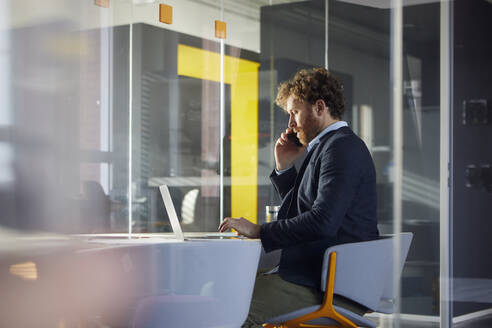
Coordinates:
column 106, row 101
column 130, row 125
column 445, row 252
column 6, row 111
column 396, row 82
column 326, row 31
column 222, row 118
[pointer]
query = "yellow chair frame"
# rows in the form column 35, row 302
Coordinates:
column 326, row 310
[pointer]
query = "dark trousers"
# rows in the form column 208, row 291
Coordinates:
column 273, row 296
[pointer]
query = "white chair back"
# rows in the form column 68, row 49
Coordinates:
column 364, row 270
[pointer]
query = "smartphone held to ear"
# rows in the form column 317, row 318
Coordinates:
column 293, row 137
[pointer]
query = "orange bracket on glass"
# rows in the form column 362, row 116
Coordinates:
column 220, row 29
column 165, row 14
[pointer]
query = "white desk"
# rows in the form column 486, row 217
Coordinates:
column 143, row 282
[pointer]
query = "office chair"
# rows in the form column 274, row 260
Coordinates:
column 188, row 207
column 361, row 272
column 95, row 207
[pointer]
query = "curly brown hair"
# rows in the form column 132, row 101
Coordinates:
column 309, row 85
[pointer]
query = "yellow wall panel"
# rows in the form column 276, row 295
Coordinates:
column 242, row 75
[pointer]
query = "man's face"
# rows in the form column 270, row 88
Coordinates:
column 303, row 119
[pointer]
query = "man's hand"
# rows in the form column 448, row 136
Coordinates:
column 286, row 151
column 242, row 226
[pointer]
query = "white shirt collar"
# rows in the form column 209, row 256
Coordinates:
column 332, row 127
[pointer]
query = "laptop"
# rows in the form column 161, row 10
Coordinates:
column 176, row 226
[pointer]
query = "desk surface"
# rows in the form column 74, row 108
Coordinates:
column 143, row 237
column 163, row 280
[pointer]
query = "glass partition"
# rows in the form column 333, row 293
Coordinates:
column 176, row 115
column 470, row 171
column 104, row 116
column 64, row 117
column 292, row 37
column 197, row 119
column 421, row 113
column 101, row 103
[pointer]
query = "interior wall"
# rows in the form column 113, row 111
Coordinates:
column 471, row 195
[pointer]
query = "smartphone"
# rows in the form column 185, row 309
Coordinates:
column 293, row 137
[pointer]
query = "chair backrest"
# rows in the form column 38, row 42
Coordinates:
column 188, row 207
column 388, row 292
column 364, row 270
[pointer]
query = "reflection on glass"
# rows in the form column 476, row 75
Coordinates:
column 26, row 270
column 420, row 187
column 471, row 159
column 99, row 106
column 63, row 116
column 175, row 118
column 176, row 121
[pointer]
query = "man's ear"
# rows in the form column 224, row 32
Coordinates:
column 320, row 106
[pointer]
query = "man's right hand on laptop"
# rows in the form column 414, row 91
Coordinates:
column 242, row 226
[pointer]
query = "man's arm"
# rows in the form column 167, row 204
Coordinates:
column 284, row 182
column 286, row 152
column 338, row 182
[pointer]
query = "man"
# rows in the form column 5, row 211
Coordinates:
column 330, row 200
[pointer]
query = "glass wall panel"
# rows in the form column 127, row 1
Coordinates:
column 64, row 116
column 104, row 112
column 101, row 103
column 176, row 115
column 361, row 48
column 186, row 81
column 421, row 157
column 292, row 37
column 241, row 75
column 471, row 159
